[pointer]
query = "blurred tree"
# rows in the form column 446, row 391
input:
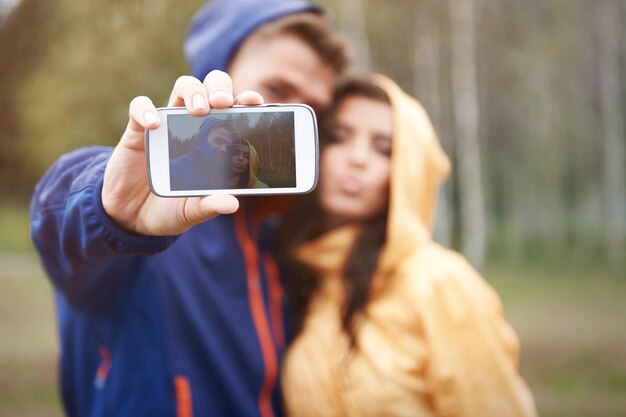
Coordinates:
column 99, row 56
column 466, row 112
column 610, row 33
column 352, row 22
column 426, row 72
column 544, row 79
column 22, row 48
column 544, row 197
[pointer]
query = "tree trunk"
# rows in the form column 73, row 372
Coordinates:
column 545, row 157
column 354, row 25
column 613, row 128
column 426, row 69
column 466, row 114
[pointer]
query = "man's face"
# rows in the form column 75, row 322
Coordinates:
column 220, row 136
column 284, row 69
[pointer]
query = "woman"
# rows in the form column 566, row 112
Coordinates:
column 244, row 164
column 385, row 321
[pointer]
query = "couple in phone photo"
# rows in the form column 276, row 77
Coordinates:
column 218, row 159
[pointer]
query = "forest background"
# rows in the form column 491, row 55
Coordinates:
column 528, row 99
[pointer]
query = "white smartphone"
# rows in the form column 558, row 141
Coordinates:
column 241, row 150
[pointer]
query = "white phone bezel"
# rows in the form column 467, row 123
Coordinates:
column 306, row 152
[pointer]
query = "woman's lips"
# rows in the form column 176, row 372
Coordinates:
column 350, row 185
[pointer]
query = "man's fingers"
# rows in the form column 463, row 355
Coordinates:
column 219, row 203
column 198, row 210
column 141, row 115
column 220, row 89
column 249, row 98
column 189, row 92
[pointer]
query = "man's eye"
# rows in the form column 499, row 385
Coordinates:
column 274, row 92
column 338, row 135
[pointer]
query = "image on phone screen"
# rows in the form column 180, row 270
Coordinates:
column 231, row 151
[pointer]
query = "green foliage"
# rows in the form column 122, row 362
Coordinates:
column 98, row 56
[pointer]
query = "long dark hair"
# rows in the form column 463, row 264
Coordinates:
column 305, row 223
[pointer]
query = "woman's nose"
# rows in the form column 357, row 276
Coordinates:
column 359, row 151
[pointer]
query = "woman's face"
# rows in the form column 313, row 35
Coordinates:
column 355, row 164
column 240, row 158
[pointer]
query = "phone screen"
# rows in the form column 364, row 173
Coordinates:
column 231, row 151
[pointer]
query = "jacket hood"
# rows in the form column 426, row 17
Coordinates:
column 418, row 166
column 218, row 29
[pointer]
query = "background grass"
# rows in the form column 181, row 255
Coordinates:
column 570, row 322
column 28, row 346
column 14, row 224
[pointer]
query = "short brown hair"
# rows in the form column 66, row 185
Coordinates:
column 315, row 30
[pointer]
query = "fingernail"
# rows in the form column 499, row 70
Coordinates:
column 229, row 206
column 149, row 117
column 220, row 93
column 197, row 101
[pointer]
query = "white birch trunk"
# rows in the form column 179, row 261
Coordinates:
column 426, row 68
column 354, row 26
column 466, row 113
column 546, row 157
column 610, row 94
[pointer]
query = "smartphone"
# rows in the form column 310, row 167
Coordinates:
column 241, row 150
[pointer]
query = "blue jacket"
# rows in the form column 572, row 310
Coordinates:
column 163, row 326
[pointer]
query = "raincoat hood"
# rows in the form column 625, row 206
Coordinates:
column 418, row 166
column 253, row 181
column 218, row 29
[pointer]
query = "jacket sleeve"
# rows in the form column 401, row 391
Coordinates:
column 84, row 253
column 473, row 350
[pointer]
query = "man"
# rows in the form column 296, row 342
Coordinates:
column 161, row 312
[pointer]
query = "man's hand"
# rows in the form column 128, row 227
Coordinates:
column 126, row 196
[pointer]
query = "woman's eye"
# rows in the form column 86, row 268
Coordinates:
column 383, row 146
column 338, row 135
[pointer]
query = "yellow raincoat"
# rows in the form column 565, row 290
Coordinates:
column 432, row 340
